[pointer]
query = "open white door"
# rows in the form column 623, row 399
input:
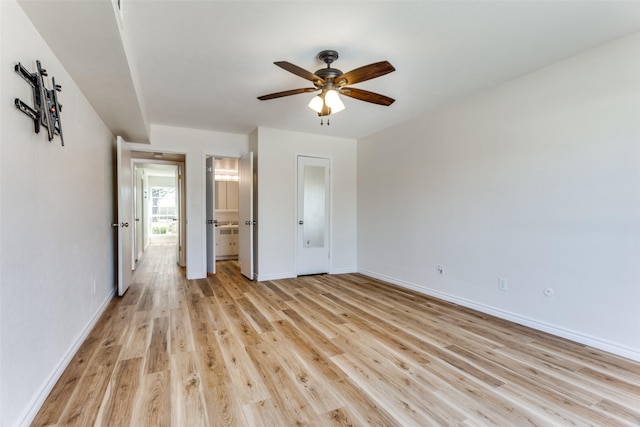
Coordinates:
column 245, row 215
column 125, row 212
column 138, row 203
column 313, row 215
column 211, row 212
column 179, row 216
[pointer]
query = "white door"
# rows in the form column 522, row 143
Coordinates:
column 245, row 215
column 138, row 203
column 313, row 215
column 210, row 206
column 125, row 214
column 179, row 216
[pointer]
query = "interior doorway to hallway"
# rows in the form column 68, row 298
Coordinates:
column 158, row 204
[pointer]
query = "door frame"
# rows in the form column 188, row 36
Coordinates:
column 210, row 204
column 146, row 148
column 246, row 217
column 181, row 187
column 296, row 227
column 203, row 196
column 138, row 212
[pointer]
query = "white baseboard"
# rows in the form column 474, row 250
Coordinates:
column 578, row 337
column 276, row 276
column 195, row 275
column 34, row 406
column 347, row 270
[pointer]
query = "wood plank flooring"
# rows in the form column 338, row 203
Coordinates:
column 343, row 350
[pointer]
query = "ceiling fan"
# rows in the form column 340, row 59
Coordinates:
column 331, row 82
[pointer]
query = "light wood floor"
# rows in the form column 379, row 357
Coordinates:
column 325, row 350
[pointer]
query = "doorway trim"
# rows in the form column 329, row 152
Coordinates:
column 203, row 195
column 182, row 213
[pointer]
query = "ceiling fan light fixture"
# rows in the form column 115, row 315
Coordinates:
column 316, row 104
column 332, row 83
column 333, row 101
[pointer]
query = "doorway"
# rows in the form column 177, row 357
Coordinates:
column 132, row 199
column 313, row 215
column 158, row 203
column 222, row 210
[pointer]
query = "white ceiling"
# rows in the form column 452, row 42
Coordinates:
column 201, row 64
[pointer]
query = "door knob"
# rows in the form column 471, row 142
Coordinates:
column 300, row 222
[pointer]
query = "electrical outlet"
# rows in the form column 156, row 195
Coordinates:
column 440, row 269
column 503, row 284
column 94, row 286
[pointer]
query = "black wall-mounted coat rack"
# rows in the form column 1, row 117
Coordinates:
column 46, row 108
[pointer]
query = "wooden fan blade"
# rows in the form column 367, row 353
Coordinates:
column 367, row 72
column 286, row 93
column 300, row 72
column 365, row 95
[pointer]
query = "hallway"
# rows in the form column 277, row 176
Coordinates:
column 324, row 350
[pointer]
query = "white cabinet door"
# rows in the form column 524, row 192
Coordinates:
column 225, row 242
column 227, row 195
column 234, row 242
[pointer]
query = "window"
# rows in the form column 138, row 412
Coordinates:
column 163, row 211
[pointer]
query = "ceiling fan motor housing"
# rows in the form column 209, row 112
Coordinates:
column 328, row 74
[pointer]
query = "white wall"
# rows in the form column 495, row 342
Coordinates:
column 277, row 152
column 55, row 219
column 537, row 181
column 195, row 144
